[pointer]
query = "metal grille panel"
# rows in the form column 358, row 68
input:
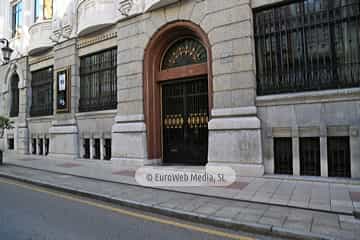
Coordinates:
column 310, row 156
column 308, row 45
column 184, row 52
column 185, row 122
column 33, row 145
column 107, row 148
column 42, row 92
column 11, row 144
column 14, row 107
column 98, row 81
column 86, row 147
column 283, row 156
column 339, row 156
column 96, row 148
column 47, row 146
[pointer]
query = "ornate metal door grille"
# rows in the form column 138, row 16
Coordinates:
column 310, row 156
column 185, row 122
column 283, row 156
column 308, row 45
column 339, row 157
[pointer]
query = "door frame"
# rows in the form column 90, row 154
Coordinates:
column 154, row 76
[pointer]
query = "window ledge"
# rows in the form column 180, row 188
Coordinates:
column 41, row 118
column 348, row 94
column 96, row 114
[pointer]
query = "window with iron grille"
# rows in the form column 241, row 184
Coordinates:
column 14, row 107
column 42, row 92
column 98, row 81
column 308, row 45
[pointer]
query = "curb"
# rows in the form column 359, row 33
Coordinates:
column 177, row 191
column 217, row 222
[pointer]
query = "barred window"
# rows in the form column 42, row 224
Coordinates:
column 14, row 107
column 42, row 92
column 98, row 81
column 308, row 45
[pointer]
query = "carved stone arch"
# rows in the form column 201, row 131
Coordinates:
column 13, row 69
column 153, row 56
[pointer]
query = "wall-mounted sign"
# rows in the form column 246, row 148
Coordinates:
column 63, row 89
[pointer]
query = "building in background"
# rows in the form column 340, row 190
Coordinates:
column 263, row 86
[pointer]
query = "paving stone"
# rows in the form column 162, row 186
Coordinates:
column 300, row 215
column 228, row 212
column 324, row 219
column 173, row 203
column 207, row 209
column 245, row 195
column 320, row 206
column 297, row 225
column 298, row 204
column 190, row 206
column 350, row 219
column 333, row 232
column 247, row 217
column 341, row 203
column 272, row 221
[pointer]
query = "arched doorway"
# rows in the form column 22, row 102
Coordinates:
column 177, row 94
column 14, row 95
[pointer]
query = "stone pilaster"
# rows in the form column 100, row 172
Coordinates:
column 64, row 131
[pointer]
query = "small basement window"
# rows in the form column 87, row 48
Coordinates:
column 41, row 150
column 47, row 144
column 107, row 147
column 283, row 156
column 96, row 148
column 33, row 146
column 11, row 144
column 86, row 147
column 339, row 156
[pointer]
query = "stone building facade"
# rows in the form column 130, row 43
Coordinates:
column 133, row 69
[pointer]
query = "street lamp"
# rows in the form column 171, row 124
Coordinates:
column 6, row 50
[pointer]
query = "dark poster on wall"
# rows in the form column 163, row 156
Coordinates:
column 63, row 90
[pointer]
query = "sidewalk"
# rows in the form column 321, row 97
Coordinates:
column 260, row 218
column 326, row 194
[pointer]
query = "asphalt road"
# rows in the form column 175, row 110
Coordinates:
column 32, row 213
